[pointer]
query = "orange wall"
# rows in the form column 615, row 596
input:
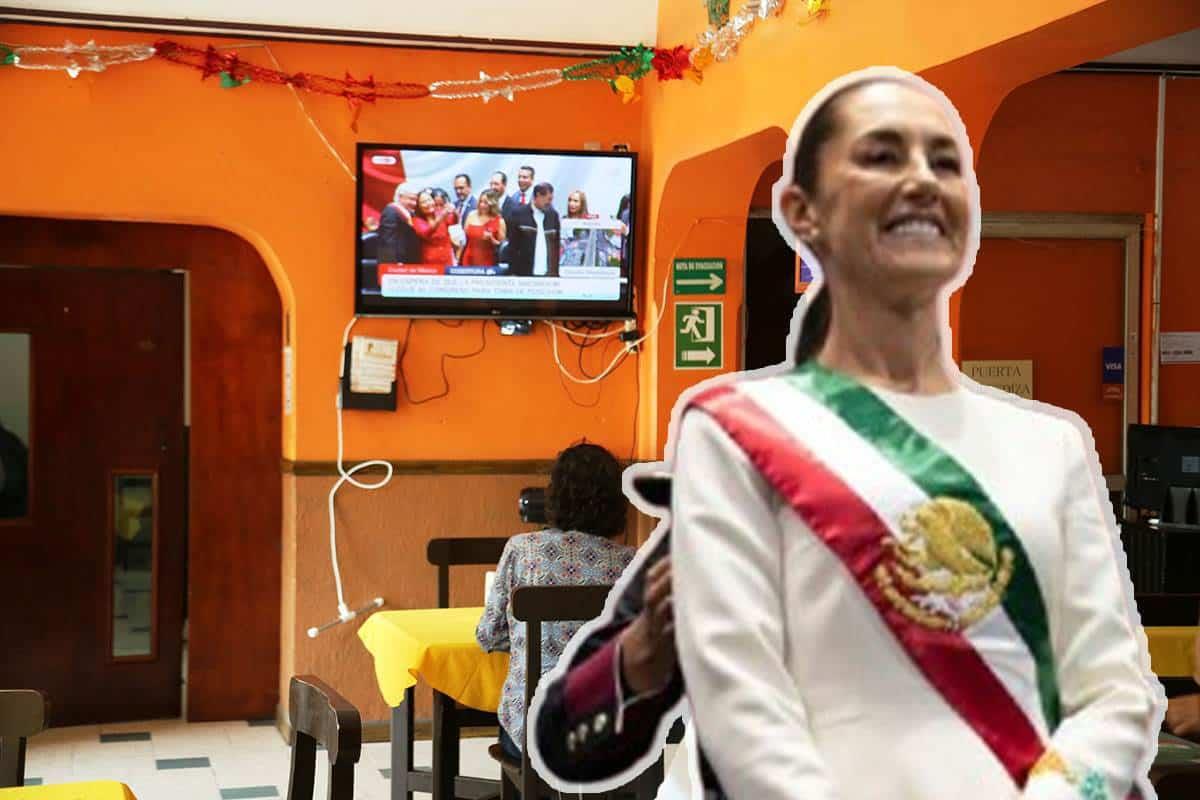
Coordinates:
column 976, row 53
column 151, row 142
column 1085, row 143
column 1178, row 383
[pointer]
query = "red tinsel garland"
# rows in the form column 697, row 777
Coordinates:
column 211, row 61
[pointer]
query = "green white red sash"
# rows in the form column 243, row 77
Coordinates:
column 851, row 468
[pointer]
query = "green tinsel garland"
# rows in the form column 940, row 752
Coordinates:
column 634, row 62
column 718, row 12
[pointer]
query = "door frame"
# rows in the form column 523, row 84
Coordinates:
column 1126, row 228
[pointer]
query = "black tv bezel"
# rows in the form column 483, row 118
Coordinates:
column 483, row 309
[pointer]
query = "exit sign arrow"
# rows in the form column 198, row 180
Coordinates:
column 712, row 282
column 704, row 356
column 699, row 275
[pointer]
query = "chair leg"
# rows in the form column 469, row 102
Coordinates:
column 341, row 782
column 507, row 790
column 304, row 765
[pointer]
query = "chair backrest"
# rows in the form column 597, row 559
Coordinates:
column 655, row 489
column 461, row 551
column 534, row 605
column 22, row 714
column 319, row 715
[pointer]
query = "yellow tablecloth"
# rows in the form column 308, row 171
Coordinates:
column 88, row 790
column 438, row 646
column 1172, row 651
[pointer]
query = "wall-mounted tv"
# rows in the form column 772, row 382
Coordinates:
column 489, row 232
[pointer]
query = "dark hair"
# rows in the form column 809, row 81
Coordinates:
column 503, row 177
column 464, row 176
column 805, row 173
column 624, row 204
column 528, row 169
column 442, row 193
column 542, row 188
column 585, row 491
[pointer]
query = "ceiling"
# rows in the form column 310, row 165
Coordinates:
column 567, row 26
column 1180, row 50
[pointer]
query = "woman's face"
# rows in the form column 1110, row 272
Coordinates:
column 439, row 201
column 426, row 203
column 890, row 206
column 573, row 203
column 485, row 205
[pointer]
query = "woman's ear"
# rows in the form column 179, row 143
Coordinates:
column 798, row 213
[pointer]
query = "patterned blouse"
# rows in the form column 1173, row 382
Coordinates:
column 546, row 558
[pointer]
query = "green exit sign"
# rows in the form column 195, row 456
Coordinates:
column 699, row 275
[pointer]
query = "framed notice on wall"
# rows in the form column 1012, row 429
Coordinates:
column 1014, row 377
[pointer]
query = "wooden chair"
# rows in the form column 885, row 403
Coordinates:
column 22, row 714
column 535, row 605
column 449, row 717
column 465, row 551
column 321, row 716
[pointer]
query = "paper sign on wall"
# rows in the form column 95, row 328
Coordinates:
column 1181, row 347
column 287, row 381
column 372, row 365
column 1014, row 377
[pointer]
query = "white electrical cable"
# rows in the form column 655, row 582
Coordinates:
column 629, row 346
column 581, row 335
column 345, row 614
column 650, row 331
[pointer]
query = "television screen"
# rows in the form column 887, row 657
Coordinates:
column 515, row 234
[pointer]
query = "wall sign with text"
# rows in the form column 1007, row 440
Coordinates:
column 699, row 275
column 1014, row 377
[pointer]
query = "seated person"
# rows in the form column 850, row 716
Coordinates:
column 622, row 682
column 586, row 510
column 1183, row 712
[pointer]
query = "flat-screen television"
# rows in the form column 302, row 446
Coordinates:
column 489, row 232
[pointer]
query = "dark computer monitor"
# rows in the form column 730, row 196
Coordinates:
column 1164, row 472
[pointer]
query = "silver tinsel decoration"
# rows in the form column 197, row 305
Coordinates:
column 723, row 42
column 73, row 59
column 489, row 87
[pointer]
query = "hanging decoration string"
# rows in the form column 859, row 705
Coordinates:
column 73, row 58
column 505, row 85
column 211, row 61
column 304, row 110
column 622, row 70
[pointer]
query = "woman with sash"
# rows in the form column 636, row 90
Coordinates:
column 890, row 583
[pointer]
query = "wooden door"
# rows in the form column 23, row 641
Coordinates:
column 1057, row 302
column 92, row 583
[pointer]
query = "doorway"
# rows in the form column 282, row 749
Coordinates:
column 770, row 293
column 94, row 575
column 1059, row 290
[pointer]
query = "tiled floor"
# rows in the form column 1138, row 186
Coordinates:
column 174, row 760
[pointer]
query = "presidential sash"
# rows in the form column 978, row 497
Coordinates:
column 931, row 551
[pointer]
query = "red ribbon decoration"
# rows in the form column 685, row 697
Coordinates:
column 671, row 64
column 211, row 61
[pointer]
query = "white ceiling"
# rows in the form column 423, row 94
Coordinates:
column 565, row 25
column 1179, row 50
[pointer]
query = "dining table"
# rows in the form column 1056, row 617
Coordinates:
column 85, row 790
column 436, row 646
